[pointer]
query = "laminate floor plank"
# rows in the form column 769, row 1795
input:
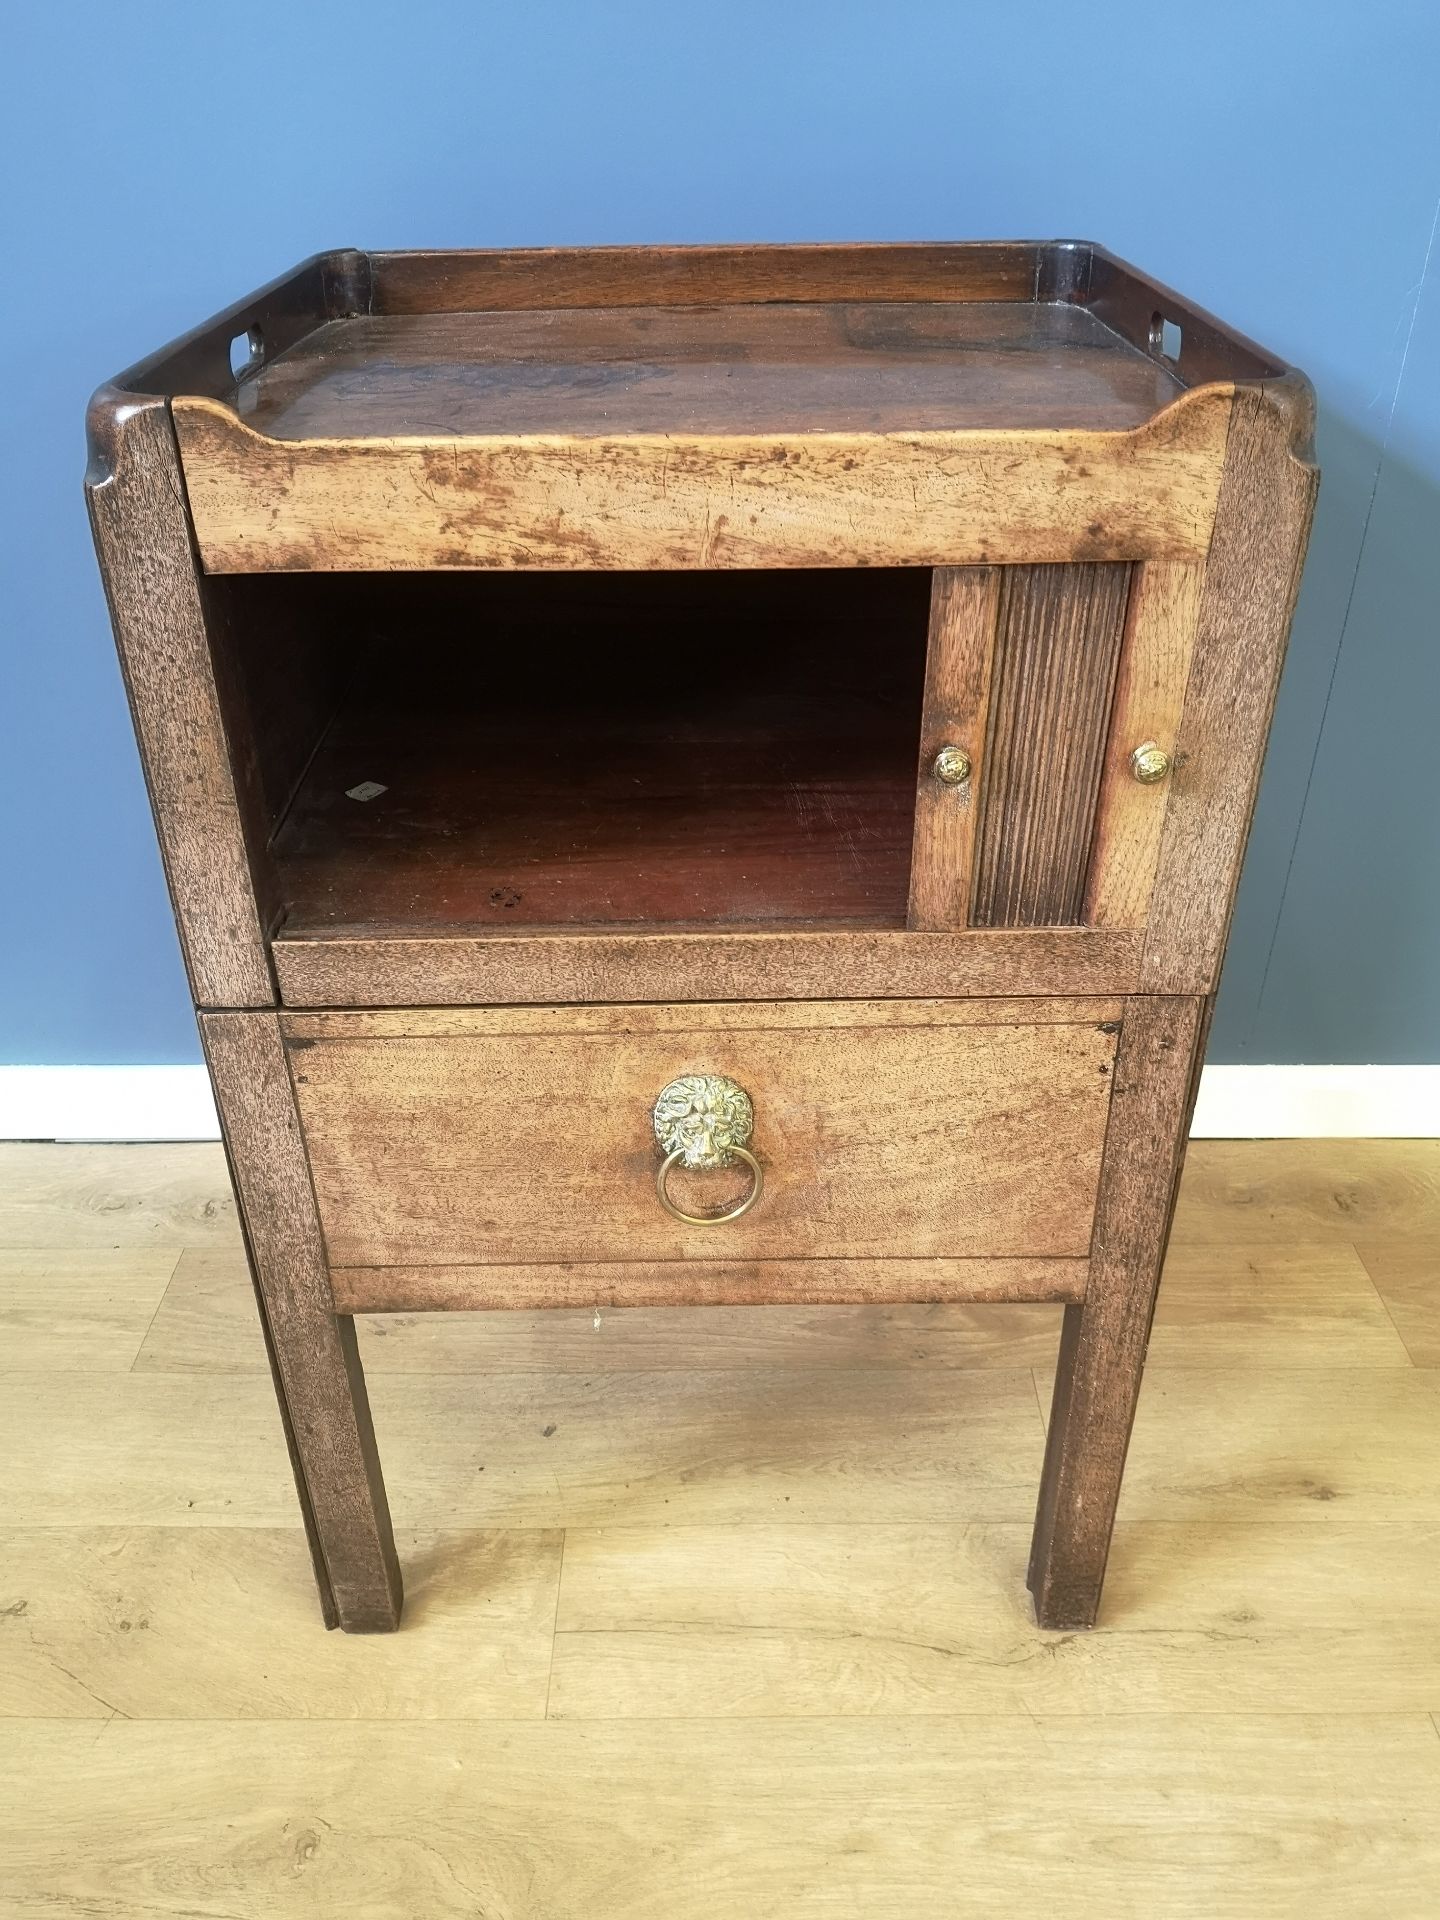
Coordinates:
column 1189, row 1817
column 1269, row 1192
column 100, row 1449
column 1406, row 1275
column 66, row 1308
column 191, row 1623
column 1201, row 1617
column 1258, row 1307
column 535, row 1449
column 1318, row 1445
column 115, row 1196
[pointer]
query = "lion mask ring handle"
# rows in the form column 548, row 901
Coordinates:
column 704, row 1121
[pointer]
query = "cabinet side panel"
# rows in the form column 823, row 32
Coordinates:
column 284, row 652
column 1252, row 576
column 158, row 611
column 1056, row 651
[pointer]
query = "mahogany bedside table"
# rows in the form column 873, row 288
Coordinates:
column 703, row 775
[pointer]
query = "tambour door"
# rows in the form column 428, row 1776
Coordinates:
column 1048, row 749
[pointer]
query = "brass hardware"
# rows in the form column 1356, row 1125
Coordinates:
column 952, row 766
column 1149, row 763
column 703, row 1121
column 711, row 1219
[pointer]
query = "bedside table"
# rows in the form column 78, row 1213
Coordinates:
column 703, row 775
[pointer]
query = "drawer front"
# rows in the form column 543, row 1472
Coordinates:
column 881, row 1129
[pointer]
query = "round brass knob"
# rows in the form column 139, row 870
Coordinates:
column 704, row 1121
column 952, row 766
column 1149, row 763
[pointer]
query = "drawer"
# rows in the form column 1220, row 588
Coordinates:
column 881, row 1129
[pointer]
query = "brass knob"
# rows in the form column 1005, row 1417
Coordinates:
column 952, row 766
column 704, row 1121
column 1149, row 763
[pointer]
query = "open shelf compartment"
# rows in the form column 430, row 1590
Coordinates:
column 592, row 751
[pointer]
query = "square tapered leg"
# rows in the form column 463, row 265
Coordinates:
column 1102, row 1346
column 312, row 1347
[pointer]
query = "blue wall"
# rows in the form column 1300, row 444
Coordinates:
column 1277, row 160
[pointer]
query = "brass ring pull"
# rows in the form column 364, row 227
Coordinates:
column 702, row 1121
column 744, row 1205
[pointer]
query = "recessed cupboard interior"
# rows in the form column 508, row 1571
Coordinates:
column 470, row 752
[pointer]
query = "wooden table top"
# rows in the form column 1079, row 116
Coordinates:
column 884, row 366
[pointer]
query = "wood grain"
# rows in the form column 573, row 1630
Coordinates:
column 207, row 1323
column 877, row 1139
column 522, row 278
column 317, row 1373
column 788, row 418
column 345, row 284
column 1314, row 1446
column 1319, row 1447
column 704, row 1283
column 963, row 607
column 811, row 367
column 71, row 1198
column 107, row 1448
column 1253, row 1307
column 1102, row 1348
column 695, row 500
column 1056, row 646
column 1126, row 1817
column 380, row 970
column 754, row 1016
column 694, row 1622
column 191, row 1623
column 1262, row 1195
column 1251, row 580
column 653, row 1447
column 1149, row 691
column 158, row 608
column 1331, row 1191
column 1406, row 1274
column 85, row 1308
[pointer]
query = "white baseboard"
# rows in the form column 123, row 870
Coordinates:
column 1236, row 1103
column 1318, row 1103
column 106, row 1103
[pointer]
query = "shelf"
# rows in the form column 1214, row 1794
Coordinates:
column 607, row 752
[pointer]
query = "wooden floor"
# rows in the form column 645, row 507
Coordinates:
column 722, row 1614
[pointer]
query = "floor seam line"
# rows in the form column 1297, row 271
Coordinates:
column 555, row 1621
